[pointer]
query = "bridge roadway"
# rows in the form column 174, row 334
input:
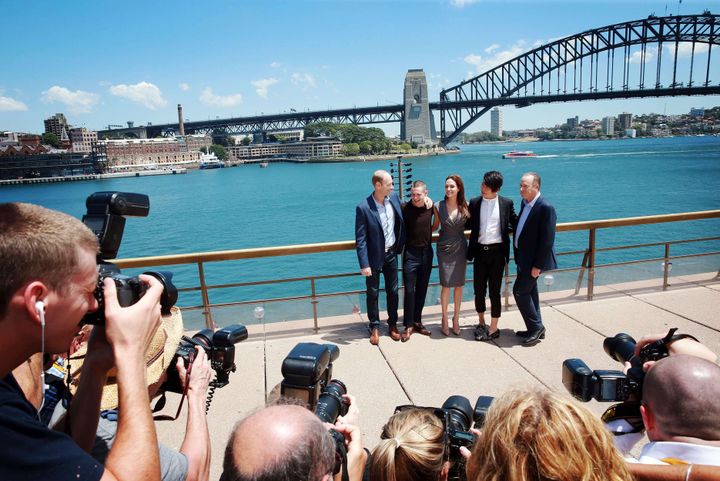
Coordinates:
column 425, row 371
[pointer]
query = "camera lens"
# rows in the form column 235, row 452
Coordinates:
column 460, row 412
column 621, row 347
column 330, row 403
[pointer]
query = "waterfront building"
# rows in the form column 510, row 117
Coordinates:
column 313, row 147
column 41, row 162
column 82, row 139
column 195, row 142
column 624, row 121
column 496, row 122
column 573, row 122
column 632, row 133
column 608, row 126
column 697, row 112
column 147, row 153
column 56, row 124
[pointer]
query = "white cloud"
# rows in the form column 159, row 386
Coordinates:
column 209, row 98
column 144, row 93
column 462, row 3
column 275, row 64
column 306, row 79
column 262, row 85
column 636, row 57
column 77, row 102
column 685, row 49
column 8, row 104
column 184, row 87
column 483, row 64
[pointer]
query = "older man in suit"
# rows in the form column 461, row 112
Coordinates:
column 534, row 253
column 379, row 237
column 492, row 217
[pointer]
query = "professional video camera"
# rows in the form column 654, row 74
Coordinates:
column 220, row 349
column 105, row 217
column 307, row 376
column 607, row 385
column 459, row 417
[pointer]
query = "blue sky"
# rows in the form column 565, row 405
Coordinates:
column 109, row 62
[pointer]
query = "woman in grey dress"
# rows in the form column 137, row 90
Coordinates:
column 452, row 248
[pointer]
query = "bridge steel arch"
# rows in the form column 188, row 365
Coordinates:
column 584, row 67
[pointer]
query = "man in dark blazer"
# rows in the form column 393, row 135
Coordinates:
column 492, row 217
column 379, row 237
column 534, row 253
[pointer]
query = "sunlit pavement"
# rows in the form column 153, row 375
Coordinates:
column 426, row 370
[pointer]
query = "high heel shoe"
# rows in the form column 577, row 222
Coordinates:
column 456, row 325
column 444, row 327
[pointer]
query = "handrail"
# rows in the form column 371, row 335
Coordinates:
column 259, row 252
column 588, row 265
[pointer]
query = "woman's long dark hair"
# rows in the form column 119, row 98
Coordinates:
column 461, row 202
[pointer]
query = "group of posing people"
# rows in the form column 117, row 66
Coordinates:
column 385, row 228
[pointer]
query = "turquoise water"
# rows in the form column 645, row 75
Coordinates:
column 286, row 204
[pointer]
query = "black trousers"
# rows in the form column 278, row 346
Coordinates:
column 372, row 283
column 417, row 266
column 488, row 269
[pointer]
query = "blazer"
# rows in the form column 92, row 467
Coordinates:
column 508, row 219
column 536, row 242
column 369, row 237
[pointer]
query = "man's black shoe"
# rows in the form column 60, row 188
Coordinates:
column 527, row 333
column 534, row 338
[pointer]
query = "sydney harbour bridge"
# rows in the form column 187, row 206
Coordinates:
column 652, row 57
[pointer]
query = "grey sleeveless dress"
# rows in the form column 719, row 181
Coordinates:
column 451, row 248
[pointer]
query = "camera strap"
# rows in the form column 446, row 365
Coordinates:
column 163, row 399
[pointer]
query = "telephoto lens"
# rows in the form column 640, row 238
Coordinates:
column 331, row 404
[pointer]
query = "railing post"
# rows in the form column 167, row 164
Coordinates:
column 507, row 290
column 581, row 274
column 591, row 265
column 314, row 302
column 666, row 266
column 205, row 298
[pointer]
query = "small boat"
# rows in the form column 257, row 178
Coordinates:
column 263, row 165
column 514, row 154
column 210, row 161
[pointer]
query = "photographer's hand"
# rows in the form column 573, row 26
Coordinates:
column 464, row 451
column 134, row 455
column 196, row 445
column 685, row 346
column 353, row 412
column 356, row 455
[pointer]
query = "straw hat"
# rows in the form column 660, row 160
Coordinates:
column 158, row 357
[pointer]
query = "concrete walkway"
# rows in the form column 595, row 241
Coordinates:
column 426, row 370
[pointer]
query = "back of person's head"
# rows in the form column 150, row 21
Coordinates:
column 38, row 243
column 411, row 447
column 682, row 394
column 278, row 443
column 538, row 435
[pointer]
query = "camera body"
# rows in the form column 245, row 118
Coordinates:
column 307, row 376
column 608, row 385
column 220, row 349
column 459, row 418
column 105, row 216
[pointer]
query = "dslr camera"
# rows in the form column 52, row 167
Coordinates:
column 608, row 385
column 307, row 376
column 220, row 349
column 105, row 216
column 459, row 418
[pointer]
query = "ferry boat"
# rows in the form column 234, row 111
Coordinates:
column 263, row 165
column 514, row 154
column 210, row 161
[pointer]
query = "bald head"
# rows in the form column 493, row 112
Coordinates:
column 682, row 394
column 279, row 442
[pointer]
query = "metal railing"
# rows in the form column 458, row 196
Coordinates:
column 587, row 268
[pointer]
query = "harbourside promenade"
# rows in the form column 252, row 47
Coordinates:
column 426, row 370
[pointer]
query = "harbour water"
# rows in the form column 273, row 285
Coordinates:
column 246, row 207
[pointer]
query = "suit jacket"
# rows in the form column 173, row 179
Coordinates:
column 369, row 237
column 536, row 242
column 508, row 219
